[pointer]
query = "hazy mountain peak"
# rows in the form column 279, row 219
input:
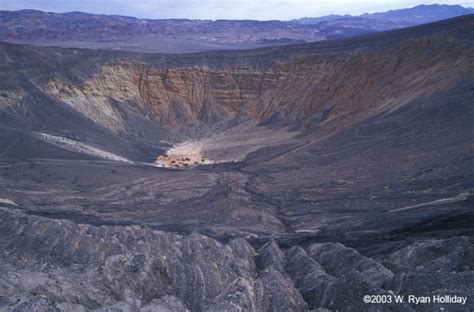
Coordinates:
column 422, row 13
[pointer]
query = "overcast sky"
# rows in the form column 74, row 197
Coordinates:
column 219, row 9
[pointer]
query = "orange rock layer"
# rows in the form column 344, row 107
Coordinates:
column 324, row 91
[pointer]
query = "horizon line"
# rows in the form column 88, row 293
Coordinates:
column 244, row 19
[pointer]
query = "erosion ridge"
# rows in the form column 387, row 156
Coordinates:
column 339, row 168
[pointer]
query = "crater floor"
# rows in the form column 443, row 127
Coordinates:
column 184, row 155
column 225, row 145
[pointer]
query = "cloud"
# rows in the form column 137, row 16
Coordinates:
column 219, row 9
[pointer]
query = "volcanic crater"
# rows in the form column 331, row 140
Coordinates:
column 316, row 172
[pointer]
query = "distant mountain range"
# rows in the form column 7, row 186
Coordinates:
column 413, row 16
column 77, row 29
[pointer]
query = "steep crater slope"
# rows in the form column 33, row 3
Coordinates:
column 294, row 127
column 317, row 92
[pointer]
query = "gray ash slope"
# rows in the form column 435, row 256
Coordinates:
column 359, row 178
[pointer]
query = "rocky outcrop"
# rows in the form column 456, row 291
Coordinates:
column 57, row 265
column 133, row 268
column 133, row 264
column 335, row 257
column 451, row 255
column 309, row 277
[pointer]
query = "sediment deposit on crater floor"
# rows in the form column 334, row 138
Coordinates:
column 184, row 155
column 317, row 174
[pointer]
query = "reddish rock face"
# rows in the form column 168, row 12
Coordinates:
column 328, row 91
